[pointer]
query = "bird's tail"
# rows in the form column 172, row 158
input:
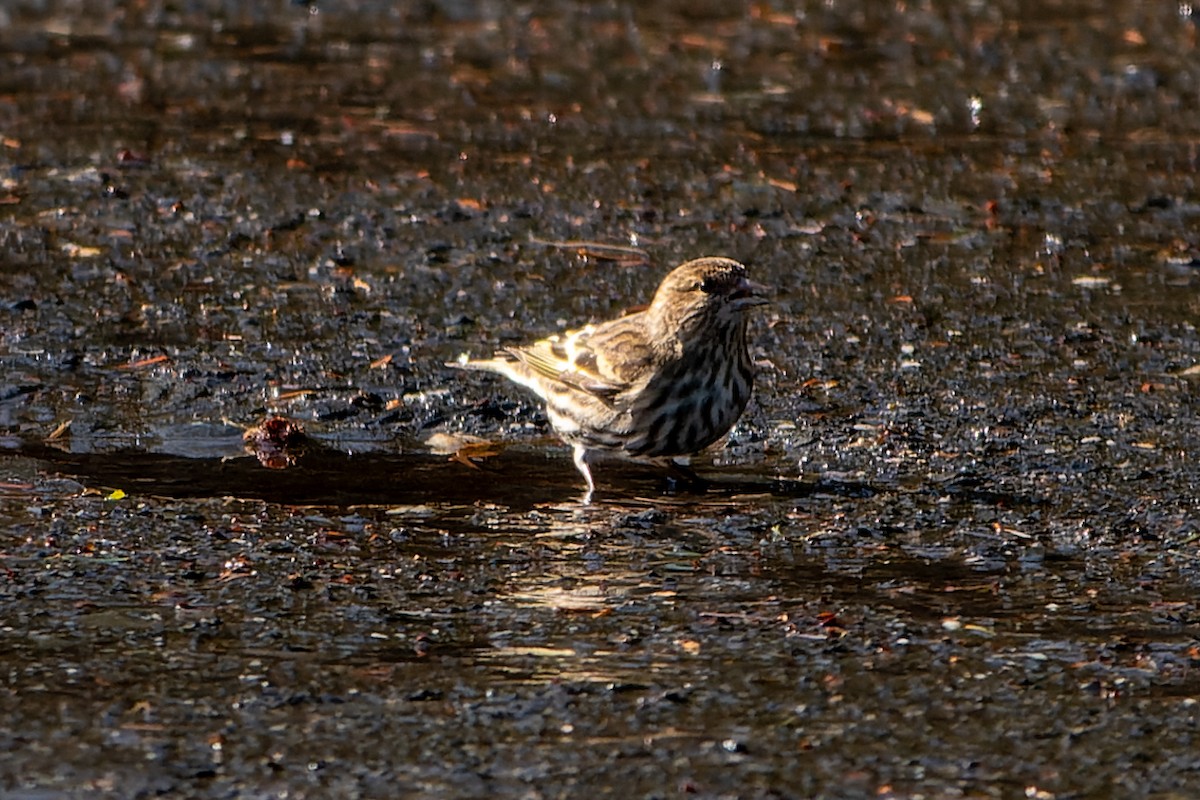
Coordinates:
column 465, row 362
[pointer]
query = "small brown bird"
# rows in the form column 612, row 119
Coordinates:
column 658, row 385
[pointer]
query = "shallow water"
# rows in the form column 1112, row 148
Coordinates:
column 950, row 551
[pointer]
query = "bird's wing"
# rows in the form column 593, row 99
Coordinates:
column 601, row 360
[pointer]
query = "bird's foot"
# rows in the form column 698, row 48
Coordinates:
column 683, row 478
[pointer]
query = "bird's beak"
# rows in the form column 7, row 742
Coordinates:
column 749, row 293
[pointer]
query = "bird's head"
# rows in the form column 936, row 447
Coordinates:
column 705, row 295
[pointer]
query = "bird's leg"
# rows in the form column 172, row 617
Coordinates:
column 685, row 474
column 582, row 465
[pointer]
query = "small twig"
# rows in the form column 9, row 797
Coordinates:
column 611, row 252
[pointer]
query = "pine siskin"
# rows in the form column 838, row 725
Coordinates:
column 659, row 384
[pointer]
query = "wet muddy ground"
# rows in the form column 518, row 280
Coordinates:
column 950, row 551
